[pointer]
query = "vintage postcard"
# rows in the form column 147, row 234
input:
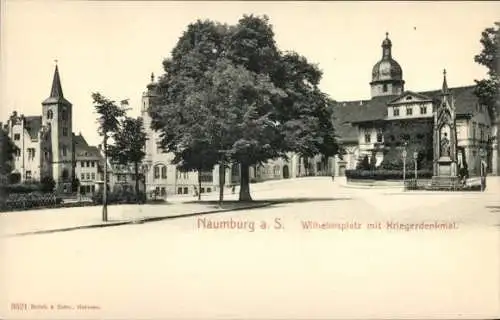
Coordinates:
column 249, row 160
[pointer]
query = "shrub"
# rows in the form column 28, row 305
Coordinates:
column 22, row 188
column 47, row 184
column 120, row 196
column 364, row 164
column 385, row 174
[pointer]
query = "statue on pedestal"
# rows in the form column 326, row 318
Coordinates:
column 445, row 145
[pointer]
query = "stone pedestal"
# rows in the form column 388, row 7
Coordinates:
column 447, row 176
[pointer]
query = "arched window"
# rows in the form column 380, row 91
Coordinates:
column 50, row 114
column 157, row 172
column 163, row 172
column 64, row 115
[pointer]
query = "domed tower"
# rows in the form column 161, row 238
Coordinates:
column 387, row 75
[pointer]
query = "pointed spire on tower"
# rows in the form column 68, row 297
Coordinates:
column 445, row 90
column 152, row 77
column 56, row 91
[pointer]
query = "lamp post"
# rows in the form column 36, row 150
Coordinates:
column 144, row 171
column 105, row 187
column 415, row 157
column 482, row 154
column 404, row 165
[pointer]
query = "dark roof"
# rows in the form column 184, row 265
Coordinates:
column 376, row 108
column 82, row 149
column 56, row 93
column 33, row 124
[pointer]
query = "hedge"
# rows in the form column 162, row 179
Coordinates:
column 23, row 201
column 386, row 174
column 120, row 197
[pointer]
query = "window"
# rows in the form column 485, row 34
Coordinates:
column 423, row 109
column 64, row 151
column 164, row 172
column 31, row 153
column 163, row 191
column 88, row 164
column 209, row 189
column 18, row 152
column 384, row 87
column 408, row 98
column 82, row 164
column 65, row 132
column 179, row 190
column 473, row 131
column 64, row 115
column 28, row 175
column 395, row 111
column 202, row 190
column 50, row 114
column 93, row 175
column 409, row 111
column 82, row 177
column 46, row 154
column 88, row 176
column 92, row 163
column 379, row 137
column 17, row 136
column 367, row 138
column 186, row 190
column 157, row 172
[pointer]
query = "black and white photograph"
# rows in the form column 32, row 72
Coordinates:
column 249, row 159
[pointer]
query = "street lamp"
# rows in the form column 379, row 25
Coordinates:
column 105, row 187
column 415, row 157
column 144, row 171
column 404, row 164
column 482, row 154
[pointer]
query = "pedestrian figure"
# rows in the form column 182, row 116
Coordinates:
column 234, row 189
column 195, row 191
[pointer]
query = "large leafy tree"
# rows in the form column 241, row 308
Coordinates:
column 108, row 119
column 488, row 89
column 128, row 148
column 7, row 151
column 230, row 88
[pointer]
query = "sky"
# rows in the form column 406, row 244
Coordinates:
column 112, row 47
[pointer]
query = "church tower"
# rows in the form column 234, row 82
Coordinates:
column 57, row 115
column 387, row 75
column 148, row 98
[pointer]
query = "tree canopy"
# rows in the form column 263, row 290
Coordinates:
column 229, row 92
column 487, row 89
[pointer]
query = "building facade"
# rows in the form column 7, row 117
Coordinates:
column 161, row 175
column 45, row 142
column 396, row 118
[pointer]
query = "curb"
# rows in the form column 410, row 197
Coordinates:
column 352, row 186
column 138, row 221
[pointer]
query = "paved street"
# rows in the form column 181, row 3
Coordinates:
column 183, row 269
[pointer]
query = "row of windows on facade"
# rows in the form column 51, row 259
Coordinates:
column 404, row 137
column 17, row 136
column 409, row 111
column 161, row 171
column 88, row 176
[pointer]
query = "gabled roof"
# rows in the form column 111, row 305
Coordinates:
column 33, row 124
column 376, row 108
column 83, row 151
column 411, row 93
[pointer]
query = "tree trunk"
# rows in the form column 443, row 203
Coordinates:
column 245, row 182
column 222, row 176
column 105, row 186
column 199, row 185
column 136, row 172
